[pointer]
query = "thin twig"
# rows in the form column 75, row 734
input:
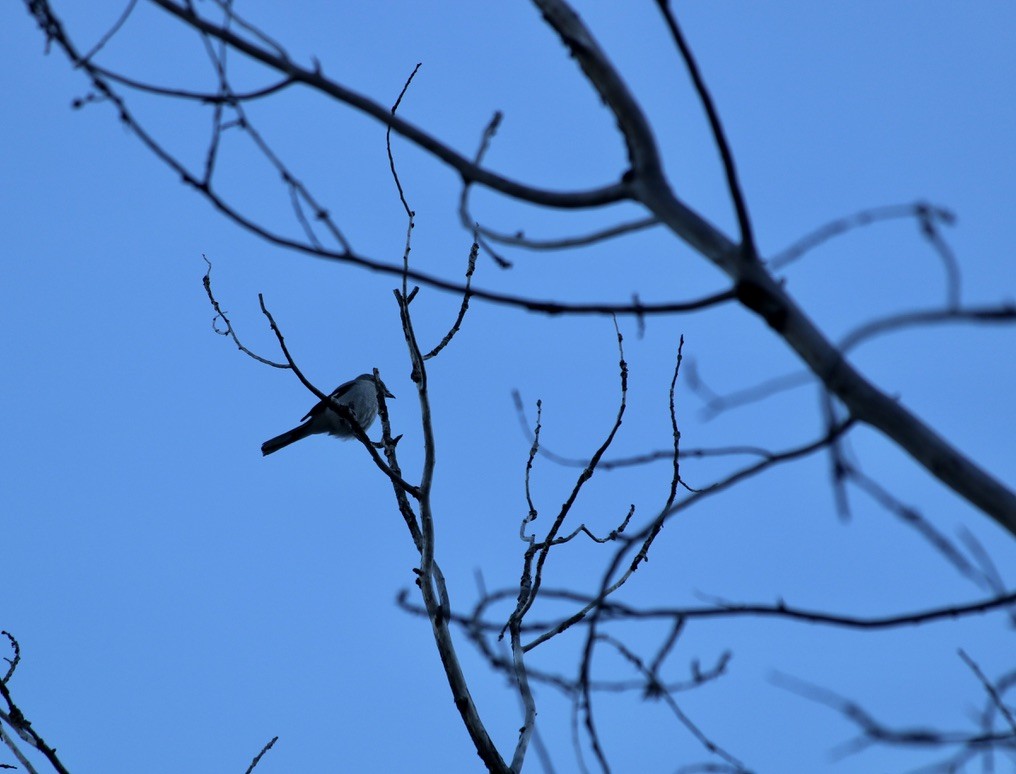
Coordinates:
column 607, row 588
column 315, row 80
column 722, row 609
column 682, row 717
column 567, row 243
column 15, row 660
column 860, row 219
column 643, row 539
column 465, row 217
column 748, row 249
column 913, row 518
column 533, row 511
column 260, row 755
column 929, row 228
column 229, row 331
column 540, row 551
column 989, row 313
column 207, row 97
column 470, row 268
column 874, row 731
column 388, row 144
column 992, row 692
column 108, row 36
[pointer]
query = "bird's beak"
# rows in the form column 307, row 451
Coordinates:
column 388, row 394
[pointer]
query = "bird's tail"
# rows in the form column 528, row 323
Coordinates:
column 280, row 441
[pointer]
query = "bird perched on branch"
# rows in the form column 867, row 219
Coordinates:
column 359, row 396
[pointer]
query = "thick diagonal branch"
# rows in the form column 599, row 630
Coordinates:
column 760, row 292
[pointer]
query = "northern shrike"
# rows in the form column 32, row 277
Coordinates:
column 359, row 396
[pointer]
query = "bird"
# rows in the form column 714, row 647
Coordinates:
column 358, row 395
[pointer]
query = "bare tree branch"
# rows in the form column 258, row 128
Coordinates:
column 567, row 243
column 992, row 692
column 16, row 719
column 682, row 717
column 748, row 250
column 860, row 219
column 260, row 755
column 874, row 732
column 617, row 611
column 995, row 313
column 316, row 80
column 54, row 31
column 847, row 397
column 760, row 292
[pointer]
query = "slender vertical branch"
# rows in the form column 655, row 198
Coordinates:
column 748, row 250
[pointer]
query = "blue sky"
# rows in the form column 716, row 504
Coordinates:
column 180, row 600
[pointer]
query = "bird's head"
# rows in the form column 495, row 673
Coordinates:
column 370, row 378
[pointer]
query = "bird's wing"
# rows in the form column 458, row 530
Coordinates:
column 321, row 405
